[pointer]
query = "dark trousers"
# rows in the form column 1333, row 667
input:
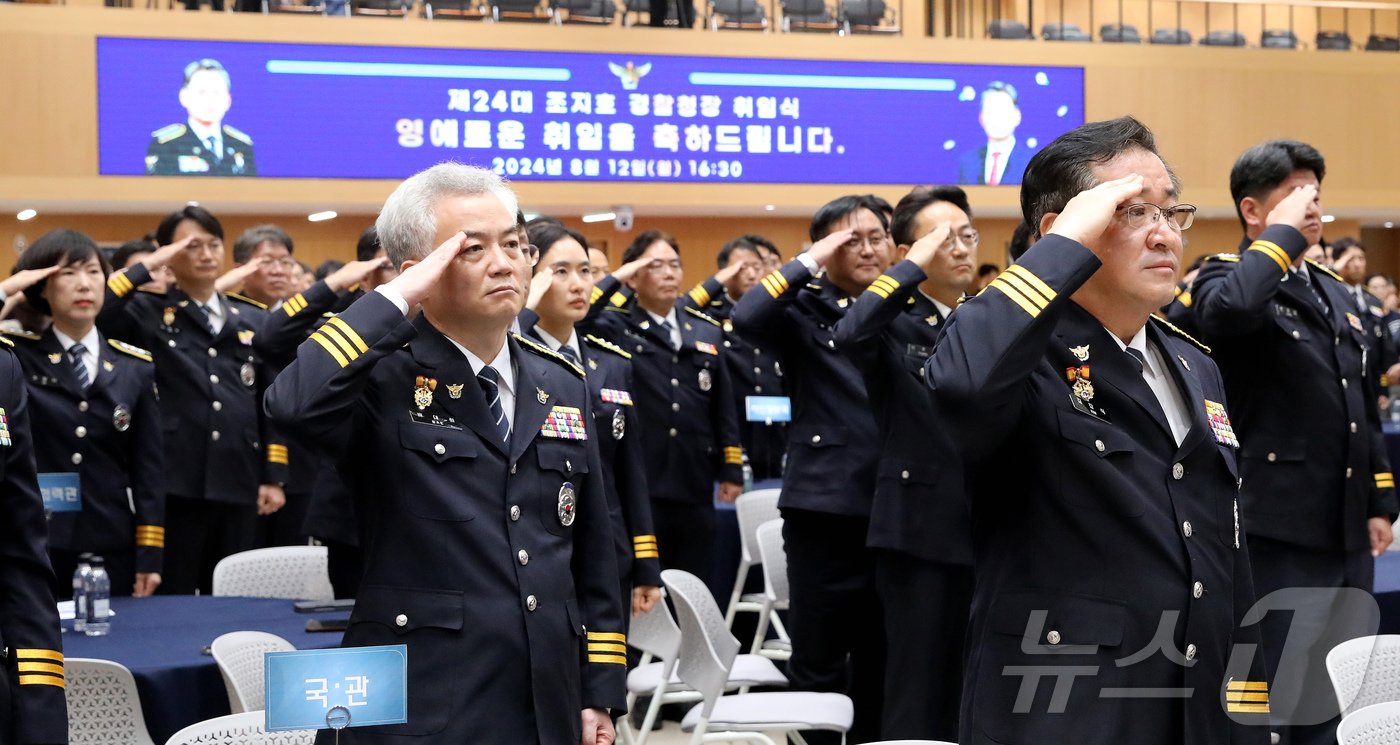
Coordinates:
column 926, row 606
column 287, row 526
column 838, row 637
column 685, row 535
column 346, row 566
column 198, row 533
column 1308, row 691
column 685, row 15
column 120, row 566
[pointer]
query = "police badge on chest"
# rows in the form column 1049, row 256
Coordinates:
column 567, row 504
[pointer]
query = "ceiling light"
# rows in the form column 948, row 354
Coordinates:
column 1389, row 224
column 26, row 215
column 600, row 217
column 769, row 207
column 321, row 216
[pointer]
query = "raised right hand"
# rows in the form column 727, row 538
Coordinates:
column 23, row 280
column 539, row 286
column 162, row 256
column 925, row 249
column 1296, row 209
column 822, row 251
column 630, row 269
column 416, row 282
column 354, row 272
column 1087, row 215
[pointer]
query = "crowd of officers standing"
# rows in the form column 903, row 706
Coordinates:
column 969, row 481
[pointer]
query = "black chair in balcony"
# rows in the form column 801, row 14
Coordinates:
column 529, row 11
column 1278, row 38
column 809, row 15
column 383, row 8
column 304, row 7
column 868, row 17
column 1114, row 33
column 463, row 10
column 1063, row 32
column 1008, row 29
column 1173, row 36
column 1380, row 43
column 739, row 15
column 1334, row 40
column 594, row 12
column 1224, row 39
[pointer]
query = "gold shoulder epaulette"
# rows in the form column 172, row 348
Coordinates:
column 617, row 309
column 168, row 133
column 235, row 134
column 1224, row 257
column 26, row 335
column 548, row 353
column 1325, row 270
column 605, row 344
column 247, row 300
column 1174, row 329
column 6, row 342
column 132, row 350
column 700, row 315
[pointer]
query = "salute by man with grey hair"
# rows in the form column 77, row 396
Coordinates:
column 476, row 477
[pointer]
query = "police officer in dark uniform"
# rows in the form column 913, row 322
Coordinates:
column 202, row 145
column 684, row 402
column 474, row 455
column 1111, row 572
column 1318, row 496
column 225, row 463
column 557, row 301
column 919, row 521
column 35, row 712
column 1179, row 312
column 837, row 633
column 1349, row 263
column 100, row 414
column 753, row 371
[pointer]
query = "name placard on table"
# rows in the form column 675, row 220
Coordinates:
column 335, row 688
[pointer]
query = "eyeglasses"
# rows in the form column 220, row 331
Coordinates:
column 874, row 240
column 197, row 246
column 1144, row 214
column 514, row 250
column 968, row 238
column 658, row 265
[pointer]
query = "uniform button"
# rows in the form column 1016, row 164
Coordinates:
column 82, row 406
column 1344, row 383
column 172, row 343
column 1197, row 590
column 1272, row 457
column 675, row 407
column 726, row 343
column 675, row 382
column 513, row 467
column 400, row 620
column 673, row 432
column 757, row 351
column 440, row 449
column 218, row 406
column 214, row 379
column 1190, row 651
column 80, row 431
column 523, row 557
column 1098, row 445
column 77, row 458
column 1297, row 335
column 816, row 439
column 1178, row 471
column 1336, row 340
column 531, row 603
column 1353, row 427
column 758, row 389
column 1348, row 472
column 213, row 352
column 904, row 475
column 758, row 371
column 1053, row 637
column 831, row 343
column 675, row 359
column 1186, row 529
column 214, row 435
column 514, row 512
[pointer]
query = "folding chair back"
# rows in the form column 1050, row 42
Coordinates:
column 1365, row 671
column 707, row 648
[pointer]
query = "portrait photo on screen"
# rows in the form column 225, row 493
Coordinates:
column 364, row 112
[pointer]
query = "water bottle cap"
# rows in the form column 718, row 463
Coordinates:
column 96, row 562
column 84, row 557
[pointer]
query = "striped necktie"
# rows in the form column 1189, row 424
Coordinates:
column 75, row 354
column 490, row 382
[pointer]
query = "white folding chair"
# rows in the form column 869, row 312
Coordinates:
column 239, row 729
column 753, row 509
column 707, row 655
column 1378, row 724
column 103, row 706
column 658, row 637
column 1365, row 671
column 239, row 656
column 912, row 742
column 775, row 592
column 291, row 572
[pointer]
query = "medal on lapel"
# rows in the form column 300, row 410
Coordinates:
column 423, row 388
column 619, row 424
column 1079, row 376
column 107, row 365
column 1080, row 353
column 705, row 380
column 567, row 504
column 55, row 358
column 454, row 391
column 168, row 318
column 121, row 418
column 541, row 396
column 247, row 374
column 1220, row 424
column 592, row 364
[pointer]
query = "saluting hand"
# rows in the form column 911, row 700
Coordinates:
column 237, row 275
column 162, row 256
column 1297, row 209
column 417, row 279
column 1088, row 214
column 822, row 251
column 24, row 279
column 630, row 269
column 925, row 249
column 724, row 275
column 539, row 287
column 354, row 272
column 597, row 728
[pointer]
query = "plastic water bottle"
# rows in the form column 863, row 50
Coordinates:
column 748, row 474
column 1394, row 410
column 97, row 586
column 79, row 591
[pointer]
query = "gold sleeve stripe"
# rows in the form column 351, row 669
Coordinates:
column 38, row 654
column 150, row 541
column 597, row 293
column 1272, row 251
column 277, row 454
column 330, row 332
column 605, row 636
column 878, row 291
column 615, row 659
column 150, row 529
column 1242, row 697
column 1015, row 295
column 772, row 289
column 733, row 457
column 1385, row 479
column 644, row 539
column 1034, row 290
column 295, row 305
column 1034, row 281
column 349, row 334
column 1247, row 685
column 618, row 299
column 40, row 667
column 699, row 295
column 339, row 358
column 618, row 648
column 648, row 555
column 1246, row 708
column 644, row 545
column 42, row 680
column 120, row 284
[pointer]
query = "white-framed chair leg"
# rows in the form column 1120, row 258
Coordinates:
column 736, row 594
column 764, row 613
column 654, row 706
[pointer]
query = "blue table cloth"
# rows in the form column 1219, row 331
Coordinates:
column 164, row 641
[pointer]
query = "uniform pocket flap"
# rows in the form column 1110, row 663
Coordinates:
column 1057, row 620
column 406, row 610
column 438, row 443
column 907, row 472
column 566, row 459
column 1098, row 436
column 820, row 437
column 1290, row 450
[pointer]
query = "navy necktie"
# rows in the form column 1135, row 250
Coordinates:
column 670, row 336
column 568, row 353
column 75, row 354
column 1139, row 359
column 490, row 382
column 208, row 320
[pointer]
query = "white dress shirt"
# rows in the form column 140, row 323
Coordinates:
column 555, row 344
column 91, row 342
column 216, row 311
column 205, row 135
column 675, row 326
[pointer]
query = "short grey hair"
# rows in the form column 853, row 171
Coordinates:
column 407, row 224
